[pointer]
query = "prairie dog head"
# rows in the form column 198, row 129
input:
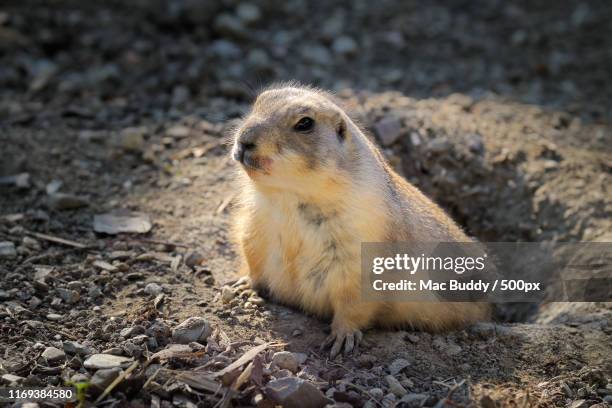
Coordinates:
column 295, row 139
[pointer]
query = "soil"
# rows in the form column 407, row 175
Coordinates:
column 504, row 118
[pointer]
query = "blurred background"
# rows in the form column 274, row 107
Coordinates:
column 180, row 53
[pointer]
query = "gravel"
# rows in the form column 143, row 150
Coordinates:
column 101, row 361
column 194, row 329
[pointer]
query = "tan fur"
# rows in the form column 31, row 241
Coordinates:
column 348, row 186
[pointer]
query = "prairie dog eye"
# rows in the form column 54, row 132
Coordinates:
column 304, row 125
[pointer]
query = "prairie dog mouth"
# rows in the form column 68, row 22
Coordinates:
column 256, row 163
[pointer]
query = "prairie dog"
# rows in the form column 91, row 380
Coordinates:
column 313, row 188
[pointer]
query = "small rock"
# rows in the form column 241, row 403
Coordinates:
column 73, row 347
column 53, row 355
column 158, row 330
column 132, row 138
column 388, row 131
column 132, row 349
column 11, row 379
column 131, row 331
column 398, row 365
column 227, row 294
column 452, row 349
column 414, row 400
column 31, row 243
column 316, row 54
column 229, row 26
column 345, row 46
column 101, row 361
column 483, row 330
column 395, row 387
column 366, row 360
column 7, row 250
column 389, row 400
column 297, row 333
column 153, row 289
column 92, row 136
column 376, row 393
column 295, row 392
column 285, row 360
column 178, row 131
column 413, row 338
column 105, row 266
column 68, row 296
column 248, row 13
column 54, row 317
column 21, row 180
column 579, row 404
column 53, row 187
column 104, row 377
column 194, row 258
column 193, row 329
column 62, row 201
column 225, row 49
column 112, row 224
column 259, row 60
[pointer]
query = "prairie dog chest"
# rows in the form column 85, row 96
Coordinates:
column 310, row 248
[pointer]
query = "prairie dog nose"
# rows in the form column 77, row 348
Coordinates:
column 241, row 149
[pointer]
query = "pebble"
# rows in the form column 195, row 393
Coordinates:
column 227, row 294
column 7, row 250
column 104, row 377
column 225, row 49
column 395, row 387
column 259, row 59
column 229, row 26
column 316, row 54
column 376, row 393
column 53, row 355
column 11, row 379
column 579, row 404
column 100, row 361
column 295, row 392
column 68, row 296
column 132, row 138
column 414, row 400
column 248, row 13
column 193, row 329
column 73, row 347
column 285, row 360
column 366, row 360
column 194, row 258
column 345, row 46
column 398, row 365
column 54, row 317
column 178, row 131
column 131, row 331
column 63, row 201
column 388, row 130
column 112, row 224
column 31, row 243
column 158, row 330
column 153, row 289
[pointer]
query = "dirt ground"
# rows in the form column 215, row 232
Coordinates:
column 502, row 116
